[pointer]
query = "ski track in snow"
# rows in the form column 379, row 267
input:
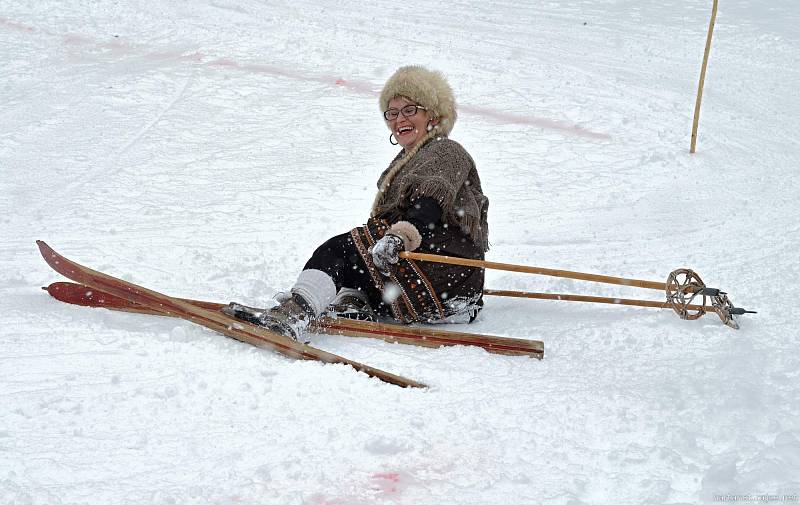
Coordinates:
column 206, row 149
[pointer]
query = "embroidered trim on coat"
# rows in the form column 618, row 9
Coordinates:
column 418, row 300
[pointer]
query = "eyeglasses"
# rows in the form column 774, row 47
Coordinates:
column 407, row 111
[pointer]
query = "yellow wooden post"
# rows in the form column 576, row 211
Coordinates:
column 702, row 78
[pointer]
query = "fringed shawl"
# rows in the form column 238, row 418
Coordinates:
column 441, row 169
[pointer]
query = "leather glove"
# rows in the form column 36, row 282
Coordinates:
column 386, row 253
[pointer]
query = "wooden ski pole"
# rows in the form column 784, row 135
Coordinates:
column 590, row 299
column 702, row 78
column 435, row 258
column 680, row 283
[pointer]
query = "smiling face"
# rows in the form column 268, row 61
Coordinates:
column 408, row 130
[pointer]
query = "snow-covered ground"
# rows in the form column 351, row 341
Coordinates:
column 205, row 148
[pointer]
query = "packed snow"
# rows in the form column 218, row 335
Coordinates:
column 205, row 148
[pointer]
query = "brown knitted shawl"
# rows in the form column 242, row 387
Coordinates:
column 441, row 169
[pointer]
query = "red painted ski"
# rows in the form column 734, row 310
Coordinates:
column 77, row 294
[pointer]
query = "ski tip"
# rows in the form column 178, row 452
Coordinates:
column 45, row 250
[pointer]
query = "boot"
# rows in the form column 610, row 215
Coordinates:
column 291, row 317
column 312, row 292
column 351, row 304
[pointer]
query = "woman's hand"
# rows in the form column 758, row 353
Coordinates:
column 386, row 253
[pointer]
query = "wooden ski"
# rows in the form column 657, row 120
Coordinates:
column 412, row 335
column 212, row 319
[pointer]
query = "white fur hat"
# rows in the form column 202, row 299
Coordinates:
column 425, row 87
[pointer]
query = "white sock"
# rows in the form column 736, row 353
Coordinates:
column 317, row 288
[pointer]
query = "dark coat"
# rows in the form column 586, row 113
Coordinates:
column 438, row 190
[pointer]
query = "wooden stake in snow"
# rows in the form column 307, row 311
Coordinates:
column 702, row 78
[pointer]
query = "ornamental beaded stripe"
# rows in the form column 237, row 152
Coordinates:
column 420, row 301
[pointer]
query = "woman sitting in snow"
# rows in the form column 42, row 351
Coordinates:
column 429, row 200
